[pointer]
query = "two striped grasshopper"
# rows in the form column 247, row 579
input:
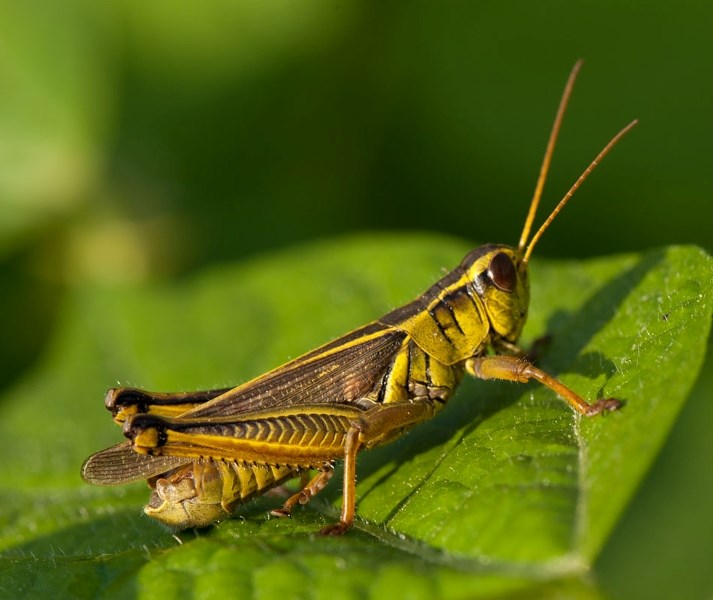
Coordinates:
column 204, row 453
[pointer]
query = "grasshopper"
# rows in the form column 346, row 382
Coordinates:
column 204, row 453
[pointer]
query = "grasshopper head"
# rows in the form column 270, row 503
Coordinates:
column 499, row 278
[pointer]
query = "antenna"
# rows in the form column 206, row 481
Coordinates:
column 574, row 188
column 548, row 154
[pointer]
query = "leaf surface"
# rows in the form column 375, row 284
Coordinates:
column 506, row 490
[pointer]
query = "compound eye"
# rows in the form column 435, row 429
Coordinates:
column 502, row 272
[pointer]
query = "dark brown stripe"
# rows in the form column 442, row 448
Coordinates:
column 447, row 303
column 429, row 378
column 441, row 328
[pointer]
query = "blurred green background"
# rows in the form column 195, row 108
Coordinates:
column 145, row 140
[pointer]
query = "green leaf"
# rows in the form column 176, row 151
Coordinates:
column 505, row 491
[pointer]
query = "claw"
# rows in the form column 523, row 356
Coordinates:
column 334, row 529
column 604, row 404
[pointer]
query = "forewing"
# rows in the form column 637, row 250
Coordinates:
column 340, row 372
